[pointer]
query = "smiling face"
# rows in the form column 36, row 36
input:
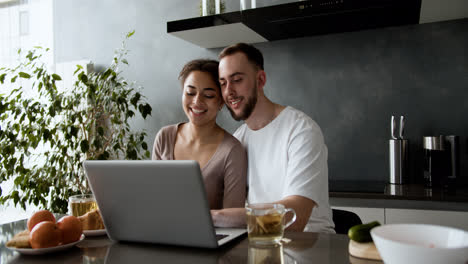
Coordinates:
column 201, row 98
column 238, row 79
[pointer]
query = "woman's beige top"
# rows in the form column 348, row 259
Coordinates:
column 225, row 174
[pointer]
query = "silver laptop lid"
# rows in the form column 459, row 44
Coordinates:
column 153, row 201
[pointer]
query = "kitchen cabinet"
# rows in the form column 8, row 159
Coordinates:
column 409, row 203
column 434, row 217
column 399, row 216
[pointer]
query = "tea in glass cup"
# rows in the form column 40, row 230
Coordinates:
column 266, row 222
column 80, row 204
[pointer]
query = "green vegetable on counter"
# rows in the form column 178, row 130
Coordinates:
column 361, row 233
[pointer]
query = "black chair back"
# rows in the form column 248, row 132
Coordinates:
column 344, row 220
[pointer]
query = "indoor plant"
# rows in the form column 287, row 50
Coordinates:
column 45, row 136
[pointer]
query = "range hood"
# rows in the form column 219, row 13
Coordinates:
column 312, row 17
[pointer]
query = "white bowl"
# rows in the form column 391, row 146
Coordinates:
column 418, row 243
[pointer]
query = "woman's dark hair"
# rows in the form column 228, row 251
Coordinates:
column 203, row 65
column 253, row 54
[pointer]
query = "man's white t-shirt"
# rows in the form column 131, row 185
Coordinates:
column 289, row 157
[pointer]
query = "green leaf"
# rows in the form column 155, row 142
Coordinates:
column 84, row 145
column 52, row 111
column 24, row 75
column 122, row 100
column 18, row 180
column 58, row 104
column 125, row 61
column 144, row 145
column 146, row 111
column 83, row 77
column 116, row 146
column 78, row 68
column 129, row 34
column 135, row 99
column 56, row 77
column 2, row 78
column 104, row 156
column 131, row 154
column 46, row 134
column 15, row 196
column 73, row 131
column 106, row 74
column 13, row 79
column 30, row 55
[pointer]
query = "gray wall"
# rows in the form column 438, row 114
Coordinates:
column 350, row 83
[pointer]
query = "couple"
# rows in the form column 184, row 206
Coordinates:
column 286, row 153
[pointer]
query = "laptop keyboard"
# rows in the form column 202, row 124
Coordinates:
column 220, row 236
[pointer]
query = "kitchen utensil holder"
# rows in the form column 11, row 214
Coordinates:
column 398, row 149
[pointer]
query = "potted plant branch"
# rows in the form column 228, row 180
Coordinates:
column 47, row 133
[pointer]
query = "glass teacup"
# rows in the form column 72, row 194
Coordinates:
column 266, row 222
column 80, row 204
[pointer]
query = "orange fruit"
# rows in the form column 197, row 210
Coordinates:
column 40, row 216
column 70, row 227
column 45, row 234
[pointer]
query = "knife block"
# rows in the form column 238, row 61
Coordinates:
column 399, row 163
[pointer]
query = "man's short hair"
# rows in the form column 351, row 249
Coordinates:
column 203, row 65
column 253, row 54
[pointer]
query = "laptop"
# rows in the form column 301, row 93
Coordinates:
column 147, row 253
column 160, row 202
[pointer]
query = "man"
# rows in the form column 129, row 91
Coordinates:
column 287, row 156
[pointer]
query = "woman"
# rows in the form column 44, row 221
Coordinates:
column 222, row 159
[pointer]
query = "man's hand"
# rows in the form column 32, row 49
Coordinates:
column 229, row 217
column 303, row 208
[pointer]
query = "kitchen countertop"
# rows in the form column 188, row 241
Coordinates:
column 303, row 248
column 380, row 194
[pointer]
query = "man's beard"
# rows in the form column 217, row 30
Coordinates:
column 249, row 107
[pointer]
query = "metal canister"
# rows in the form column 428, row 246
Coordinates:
column 399, row 163
column 435, row 161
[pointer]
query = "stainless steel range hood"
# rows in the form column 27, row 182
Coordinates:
column 312, row 17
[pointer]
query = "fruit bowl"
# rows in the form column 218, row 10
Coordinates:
column 41, row 251
column 419, row 243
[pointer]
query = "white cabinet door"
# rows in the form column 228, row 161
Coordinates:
column 365, row 213
column 445, row 218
